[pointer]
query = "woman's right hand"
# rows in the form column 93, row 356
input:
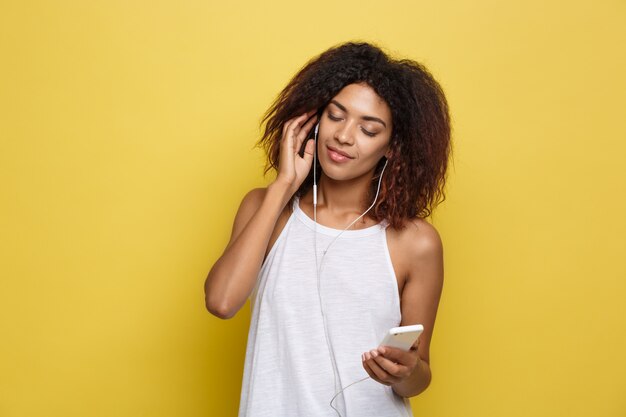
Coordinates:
column 293, row 169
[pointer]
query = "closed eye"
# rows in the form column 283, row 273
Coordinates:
column 336, row 119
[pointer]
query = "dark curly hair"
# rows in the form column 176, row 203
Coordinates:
column 420, row 144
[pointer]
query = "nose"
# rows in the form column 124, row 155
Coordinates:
column 344, row 134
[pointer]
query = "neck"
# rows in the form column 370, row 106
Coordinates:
column 343, row 198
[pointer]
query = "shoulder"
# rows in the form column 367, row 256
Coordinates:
column 419, row 248
column 248, row 206
column 254, row 197
column 425, row 259
column 251, row 203
column 417, row 238
column 422, row 246
column 422, row 238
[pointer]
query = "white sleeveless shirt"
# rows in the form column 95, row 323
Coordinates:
column 288, row 369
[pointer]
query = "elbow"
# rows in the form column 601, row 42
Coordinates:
column 218, row 302
column 220, row 309
column 221, row 314
column 427, row 384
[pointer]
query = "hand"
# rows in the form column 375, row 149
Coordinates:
column 293, row 169
column 389, row 365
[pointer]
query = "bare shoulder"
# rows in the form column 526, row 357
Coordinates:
column 422, row 249
column 417, row 238
column 254, row 197
column 422, row 238
column 413, row 248
column 250, row 204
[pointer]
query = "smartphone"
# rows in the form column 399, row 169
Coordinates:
column 402, row 337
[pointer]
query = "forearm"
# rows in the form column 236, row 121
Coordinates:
column 416, row 383
column 234, row 275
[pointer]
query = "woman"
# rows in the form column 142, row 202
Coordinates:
column 323, row 294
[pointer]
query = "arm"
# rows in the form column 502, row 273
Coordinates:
column 232, row 278
column 234, row 275
column 409, row 373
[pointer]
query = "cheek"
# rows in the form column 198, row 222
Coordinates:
column 373, row 151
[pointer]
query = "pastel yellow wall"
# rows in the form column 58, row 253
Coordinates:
column 126, row 134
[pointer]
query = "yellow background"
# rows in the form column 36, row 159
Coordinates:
column 127, row 132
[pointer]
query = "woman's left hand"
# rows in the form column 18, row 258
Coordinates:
column 389, row 365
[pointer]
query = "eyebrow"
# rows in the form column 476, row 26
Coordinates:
column 369, row 118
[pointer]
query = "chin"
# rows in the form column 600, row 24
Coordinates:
column 338, row 173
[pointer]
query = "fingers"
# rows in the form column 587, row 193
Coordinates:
column 396, row 369
column 292, row 169
column 309, row 150
column 304, row 132
column 292, row 127
column 377, row 372
column 289, row 131
column 398, row 355
column 372, row 374
column 386, row 369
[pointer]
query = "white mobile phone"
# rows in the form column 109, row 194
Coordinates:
column 402, row 337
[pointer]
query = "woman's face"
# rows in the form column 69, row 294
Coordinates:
column 357, row 123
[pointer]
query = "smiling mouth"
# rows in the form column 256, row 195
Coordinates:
column 337, row 157
column 338, row 152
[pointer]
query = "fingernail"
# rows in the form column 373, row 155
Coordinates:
column 381, row 350
column 363, row 357
column 374, row 353
column 367, row 356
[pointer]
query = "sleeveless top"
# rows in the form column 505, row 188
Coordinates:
column 288, row 368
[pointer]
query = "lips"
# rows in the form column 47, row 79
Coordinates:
column 337, row 151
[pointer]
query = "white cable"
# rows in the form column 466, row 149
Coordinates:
column 319, row 268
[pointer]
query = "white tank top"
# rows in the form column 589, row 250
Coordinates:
column 288, row 369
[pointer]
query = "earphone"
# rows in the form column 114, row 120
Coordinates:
column 319, row 267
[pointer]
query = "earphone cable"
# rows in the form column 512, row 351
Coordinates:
column 319, row 267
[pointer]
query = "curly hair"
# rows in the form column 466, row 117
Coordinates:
column 420, row 141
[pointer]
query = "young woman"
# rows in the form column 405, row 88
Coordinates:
column 325, row 288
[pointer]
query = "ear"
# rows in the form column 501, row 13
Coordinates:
column 389, row 152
